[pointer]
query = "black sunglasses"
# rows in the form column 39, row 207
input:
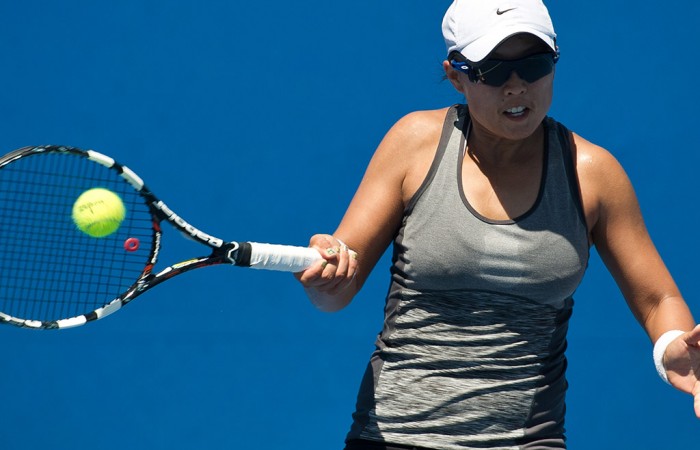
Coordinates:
column 495, row 72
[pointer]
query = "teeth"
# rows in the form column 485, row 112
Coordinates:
column 516, row 110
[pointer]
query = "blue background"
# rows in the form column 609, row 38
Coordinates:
column 255, row 121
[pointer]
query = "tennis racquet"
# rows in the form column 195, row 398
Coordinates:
column 52, row 275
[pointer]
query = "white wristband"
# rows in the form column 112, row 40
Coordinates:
column 660, row 350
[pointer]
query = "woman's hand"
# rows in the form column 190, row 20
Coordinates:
column 330, row 283
column 682, row 363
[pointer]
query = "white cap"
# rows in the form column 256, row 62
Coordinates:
column 476, row 27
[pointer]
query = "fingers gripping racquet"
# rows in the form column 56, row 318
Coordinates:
column 53, row 275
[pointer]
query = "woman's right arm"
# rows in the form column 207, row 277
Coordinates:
column 397, row 168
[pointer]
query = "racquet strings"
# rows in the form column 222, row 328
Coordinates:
column 50, row 269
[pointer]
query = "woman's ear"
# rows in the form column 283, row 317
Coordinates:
column 454, row 76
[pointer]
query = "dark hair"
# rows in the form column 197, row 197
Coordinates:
column 456, row 56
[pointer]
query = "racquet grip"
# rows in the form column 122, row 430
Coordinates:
column 286, row 258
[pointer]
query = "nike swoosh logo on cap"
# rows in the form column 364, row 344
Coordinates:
column 499, row 12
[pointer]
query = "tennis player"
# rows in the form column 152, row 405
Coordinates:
column 491, row 207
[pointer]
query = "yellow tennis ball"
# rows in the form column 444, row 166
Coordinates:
column 98, row 212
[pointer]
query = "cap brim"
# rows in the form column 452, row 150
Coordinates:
column 481, row 48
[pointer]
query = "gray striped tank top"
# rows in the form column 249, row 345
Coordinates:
column 471, row 355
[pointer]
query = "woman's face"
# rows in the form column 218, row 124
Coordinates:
column 516, row 109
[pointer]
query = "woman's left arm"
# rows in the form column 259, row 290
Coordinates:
column 618, row 231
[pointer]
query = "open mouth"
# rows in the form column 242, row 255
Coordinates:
column 516, row 111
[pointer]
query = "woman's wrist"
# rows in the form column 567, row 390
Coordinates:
column 660, row 350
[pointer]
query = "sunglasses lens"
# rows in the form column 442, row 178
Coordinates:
column 495, row 73
column 535, row 68
column 531, row 69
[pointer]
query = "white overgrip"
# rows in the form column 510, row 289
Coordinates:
column 285, row 258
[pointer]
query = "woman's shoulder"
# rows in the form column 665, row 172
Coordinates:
column 426, row 120
column 592, row 157
column 602, row 179
column 409, row 147
column 417, row 129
